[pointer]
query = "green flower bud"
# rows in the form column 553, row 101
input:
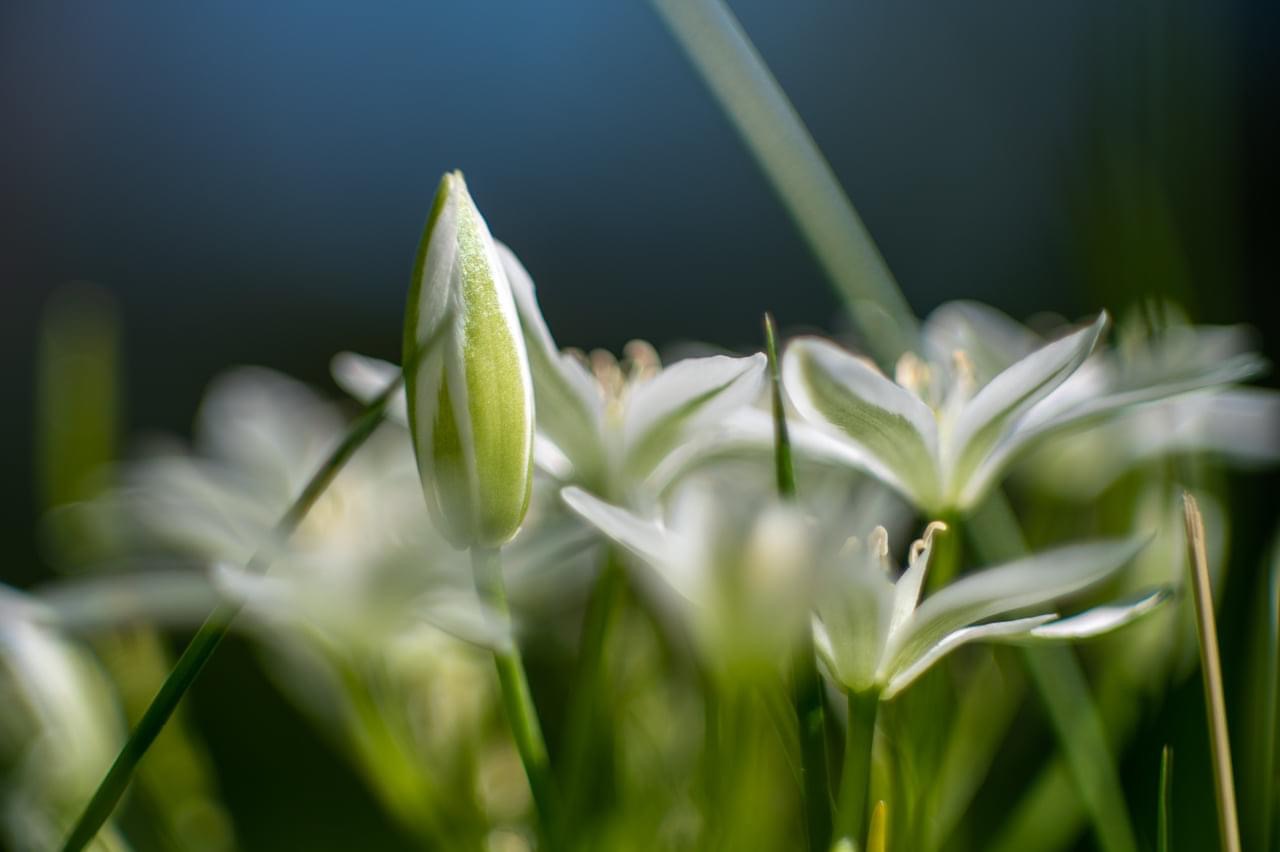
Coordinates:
column 471, row 396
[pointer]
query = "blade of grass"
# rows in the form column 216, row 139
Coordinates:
column 1060, row 680
column 730, row 65
column 1211, row 669
column 806, row 684
column 210, row 635
column 1165, row 803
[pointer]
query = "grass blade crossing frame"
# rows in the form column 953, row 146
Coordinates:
column 803, row 179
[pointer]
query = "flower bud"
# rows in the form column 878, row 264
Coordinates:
column 470, row 397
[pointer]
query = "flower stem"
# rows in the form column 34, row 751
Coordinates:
column 517, row 699
column 587, row 747
column 806, row 685
column 209, row 636
column 1211, row 667
column 739, row 79
column 855, row 782
column 1165, row 803
column 784, row 469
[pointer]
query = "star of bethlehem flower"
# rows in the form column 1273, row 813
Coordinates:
column 742, row 565
column 870, row 627
column 945, row 429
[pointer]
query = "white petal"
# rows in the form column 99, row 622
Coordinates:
column 1034, row 581
column 991, row 339
column 1181, row 361
column 855, row 603
column 994, row 410
column 170, row 598
column 568, row 402
column 1100, row 619
column 365, row 378
column 1238, row 426
column 661, row 411
column 901, row 678
column 269, row 423
column 645, row 538
column 891, row 433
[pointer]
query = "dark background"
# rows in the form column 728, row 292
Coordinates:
column 249, row 180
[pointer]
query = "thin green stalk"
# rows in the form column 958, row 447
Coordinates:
column 855, row 782
column 784, row 467
column 1064, row 690
column 1165, row 804
column 210, row 634
column 1211, row 667
column 585, row 718
column 517, row 699
column 730, row 65
column 806, row 684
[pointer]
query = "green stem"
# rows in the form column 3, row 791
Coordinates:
column 1165, row 802
column 855, row 783
column 210, row 634
column 586, row 713
column 806, row 697
column 803, row 179
column 806, row 684
column 517, row 699
column 784, row 468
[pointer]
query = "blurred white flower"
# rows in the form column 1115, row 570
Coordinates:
column 59, row 730
column 871, row 629
column 948, row 427
column 361, row 569
column 742, row 565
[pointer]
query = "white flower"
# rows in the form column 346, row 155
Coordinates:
column 945, row 431
column 470, row 400
column 59, row 730
column 871, row 629
column 613, row 424
column 876, row 635
column 742, row 565
column 362, row 569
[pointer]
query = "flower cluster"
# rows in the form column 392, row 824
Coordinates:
column 562, row 473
